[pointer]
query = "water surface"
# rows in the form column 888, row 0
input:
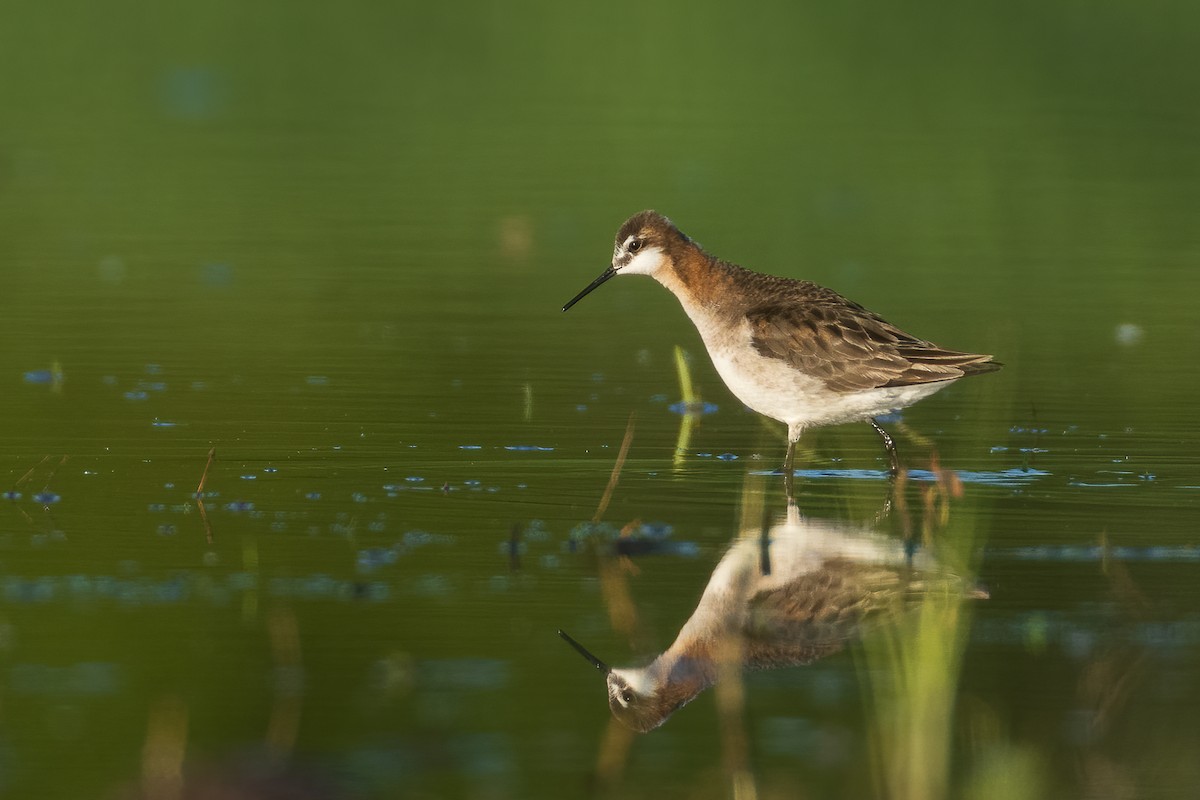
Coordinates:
column 334, row 250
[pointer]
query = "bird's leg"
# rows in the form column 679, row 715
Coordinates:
column 890, row 446
column 789, row 472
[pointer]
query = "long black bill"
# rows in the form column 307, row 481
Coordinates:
column 608, row 273
column 600, row 665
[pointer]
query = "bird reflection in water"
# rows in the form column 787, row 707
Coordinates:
column 796, row 592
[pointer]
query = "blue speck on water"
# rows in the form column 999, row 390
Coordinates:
column 655, row 530
column 152, row 386
column 216, row 274
column 549, row 561
column 418, row 538
column 375, row 557
column 135, row 395
column 192, row 93
column 528, row 448
column 156, row 508
column 199, row 386
column 999, row 449
column 598, row 377
column 431, row 585
column 11, row 495
column 414, row 479
column 166, row 529
column 887, row 418
column 238, row 506
column 377, row 591
column 162, row 423
column 248, row 477
column 581, row 407
column 153, row 369
column 471, row 483
column 358, row 497
column 317, row 380
column 509, row 548
column 39, row 376
column 727, row 457
column 168, row 486
column 692, row 408
column 46, row 498
column 271, row 470
column 522, row 485
column 704, row 455
column 470, row 447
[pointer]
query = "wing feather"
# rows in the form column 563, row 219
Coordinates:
column 851, row 349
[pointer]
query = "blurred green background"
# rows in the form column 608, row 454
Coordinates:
column 332, row 243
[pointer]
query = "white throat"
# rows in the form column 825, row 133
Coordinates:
column 646, row 262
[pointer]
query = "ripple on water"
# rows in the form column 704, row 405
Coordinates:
column 1017, row 476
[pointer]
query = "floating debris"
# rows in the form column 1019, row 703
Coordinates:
column 1127, row 334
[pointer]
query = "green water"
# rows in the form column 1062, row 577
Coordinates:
column 332, row 244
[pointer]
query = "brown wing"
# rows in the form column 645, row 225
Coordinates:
column 815, row 614
column 852, row 349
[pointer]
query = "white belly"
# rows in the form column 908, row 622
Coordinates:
column 772, row 387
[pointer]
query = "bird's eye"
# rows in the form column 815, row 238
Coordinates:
column 627, row 696
column 635, row 245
